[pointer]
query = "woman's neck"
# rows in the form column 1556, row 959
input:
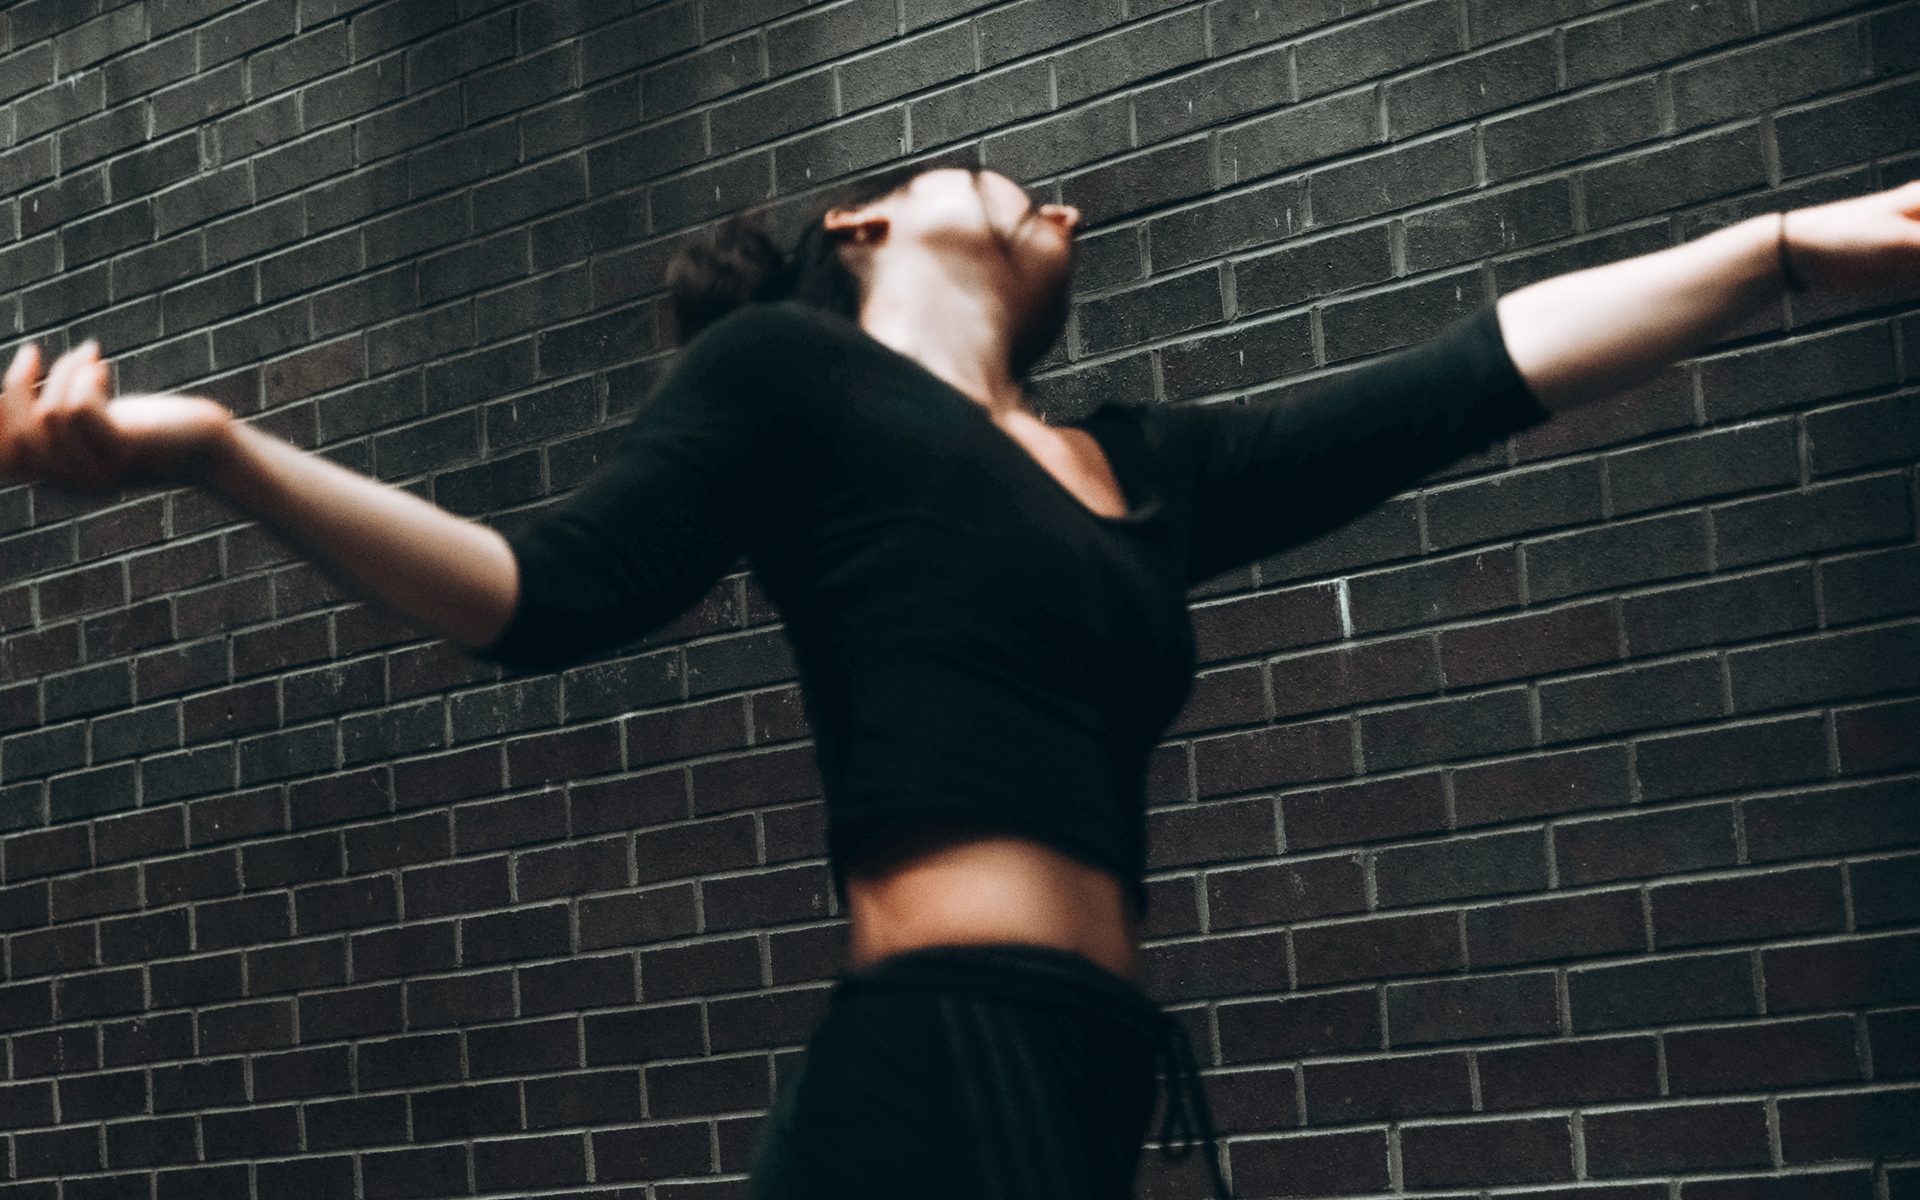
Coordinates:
column 961, row 335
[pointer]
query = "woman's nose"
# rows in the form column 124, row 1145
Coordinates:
column 1068, row 211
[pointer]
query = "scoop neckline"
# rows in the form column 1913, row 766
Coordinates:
column 1137, row 513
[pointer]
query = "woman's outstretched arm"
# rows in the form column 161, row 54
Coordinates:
column 1279, row 470
column 1589, row 334
column 440, row 572
column 443, row 573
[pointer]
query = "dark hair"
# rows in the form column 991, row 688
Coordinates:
column 741, row 263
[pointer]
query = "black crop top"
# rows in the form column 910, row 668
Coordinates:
column 977, row 648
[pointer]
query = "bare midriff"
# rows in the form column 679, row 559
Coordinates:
column 992, row 889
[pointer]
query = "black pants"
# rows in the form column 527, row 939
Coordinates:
column 999, row 1072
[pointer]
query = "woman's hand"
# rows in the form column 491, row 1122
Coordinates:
column 1863, row 243
column 64, row 429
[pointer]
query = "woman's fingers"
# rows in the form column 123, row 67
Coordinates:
column 77, row 439
column 88, row 430
column 16, row 398
column 22, row 374
column 67, row 453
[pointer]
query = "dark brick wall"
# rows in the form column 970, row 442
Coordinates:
column 1549, row 830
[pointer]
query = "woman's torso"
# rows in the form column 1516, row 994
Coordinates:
column 991, row 628
column 977, row 888
column 987, row 888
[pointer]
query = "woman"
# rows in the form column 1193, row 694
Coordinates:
column 988, row 610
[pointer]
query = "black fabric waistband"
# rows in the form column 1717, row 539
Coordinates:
column 1038, row 974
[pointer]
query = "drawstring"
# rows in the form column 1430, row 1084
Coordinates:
column 1187, row 1118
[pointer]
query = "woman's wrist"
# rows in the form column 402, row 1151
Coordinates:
column 223, row 463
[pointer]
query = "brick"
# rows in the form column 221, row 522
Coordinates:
column 1387, row 1088
column 409, row 1061
column 636, row 918
column 396, row 1174
column 1821, row 517
column 351, row 1012
column 1851, row 665
column 1219, row 966
column 1864, row 970
column 1529, row 644
column 1316, row 1164
column 1858, row 817
column 708, row 1086
column 651, row 1151
column 1499, row 1151
column 359, row 1121
column 1878, row 737
column 1715, row 463
column 571, row 869
column 1760, row 754
column 1276, row 755
column 1607, row 119
column 1615, row 555
column 259, row 1131
column 598, row 1098
column 1719, row 611
column 459, row 999
column 734, row 902
column 1698, row 987
column 1845, row 129
column 403, row 950
column 1355, row 674
column 1285, row 892
column 1797, row 372
column 632, row 1035
column 1768, row 905
column 1884, row 430
column 1558, row 927
column 1370, row 810
column 1440, row 730
column 782, row 1018
column 530, row 1162
column 1395, row 179
column 1689, row 171
column 520, row 933
column 1265, row 621
column 1461, row 867
column 465, row 1111
column 1377, row 947
column 549, row 1045
column 1538, row 785
column 1761, row 1057
column 1471, row 1009
column 1676, row 1137
column 1299, row 1025
column 576, row 983
column 1895, row 1041
column 1883, row 891
column 1497, row 79
column 1520, row 502
column 1580, row 1071
column 1643, row 844
column 1827, row 1185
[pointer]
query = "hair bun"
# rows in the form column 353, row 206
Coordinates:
column 739, row 265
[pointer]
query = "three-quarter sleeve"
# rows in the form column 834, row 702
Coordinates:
column 657, row 523
column 1271, row 474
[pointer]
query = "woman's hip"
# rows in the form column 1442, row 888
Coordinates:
column 985, row 1071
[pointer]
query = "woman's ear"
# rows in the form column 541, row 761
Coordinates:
column 859, row 225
